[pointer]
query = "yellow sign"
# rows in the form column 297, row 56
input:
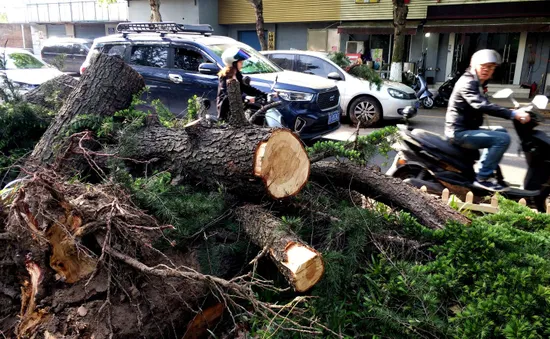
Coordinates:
column 271, row 41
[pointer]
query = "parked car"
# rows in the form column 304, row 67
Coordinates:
column 359, row 101
column 179, row 61
column 72, row 50
column 24, row 70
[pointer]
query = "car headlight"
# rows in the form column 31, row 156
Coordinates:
column 295, row 96
column 397, row 93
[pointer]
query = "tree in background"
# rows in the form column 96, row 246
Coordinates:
column 259, row 9
column 400, row 11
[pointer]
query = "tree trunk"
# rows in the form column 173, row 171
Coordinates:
column 53, row 93
column 301, row 265
column 259, row 10
column 400, row 11
column 106, row 87
column 155, row 11
column 248, row 160
column 429, row 211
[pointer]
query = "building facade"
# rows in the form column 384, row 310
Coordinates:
column 442, row 33
column 87, row 19
column 180, row 11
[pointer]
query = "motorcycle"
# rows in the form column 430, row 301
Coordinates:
column 441, row 99
column 420, row 86
column 428, row 159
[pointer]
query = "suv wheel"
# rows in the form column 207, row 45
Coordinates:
column 365, row 110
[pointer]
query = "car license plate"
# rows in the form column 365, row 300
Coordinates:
column 417, row 104
column 333, row 117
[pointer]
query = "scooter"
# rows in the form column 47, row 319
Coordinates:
column 422, row 92
column 428, row 159
column 441, row 99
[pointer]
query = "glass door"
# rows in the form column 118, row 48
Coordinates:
column 507, row 44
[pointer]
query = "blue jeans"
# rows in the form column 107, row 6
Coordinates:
column 495, row 142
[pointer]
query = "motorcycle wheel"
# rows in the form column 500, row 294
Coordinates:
column 428, row 102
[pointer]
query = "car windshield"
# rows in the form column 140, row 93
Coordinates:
column 17, row 60
column 256, row 64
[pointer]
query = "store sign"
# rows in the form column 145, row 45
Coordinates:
column 271, row 41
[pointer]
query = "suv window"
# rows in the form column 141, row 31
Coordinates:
column 63, row 48
column 79, row 49
column 114, row 50
column 285, row 61
column 313, row 65
column 152, row 56
column 188, row 59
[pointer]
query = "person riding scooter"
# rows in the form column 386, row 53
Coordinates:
column 233, row 58
column 465, row 114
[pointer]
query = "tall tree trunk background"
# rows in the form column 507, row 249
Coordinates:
column 400, row 11
column 259, row 9
column 155, row 11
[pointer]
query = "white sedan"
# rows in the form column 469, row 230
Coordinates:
column 24, row 70
column 359, row 100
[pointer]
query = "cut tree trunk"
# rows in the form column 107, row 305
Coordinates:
column 259, row 10
column 429, row 211
column 53, row 93
column 248, row 161
column 400, row 11
column 107, row 86
column 155, row 10
column 301, row 265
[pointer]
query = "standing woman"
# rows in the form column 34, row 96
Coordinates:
column 233, row 58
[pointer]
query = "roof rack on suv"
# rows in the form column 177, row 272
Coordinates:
column 162, row 27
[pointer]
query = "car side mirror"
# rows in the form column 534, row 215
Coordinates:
column 246, row 80
column 334, row 76
column 209, row 68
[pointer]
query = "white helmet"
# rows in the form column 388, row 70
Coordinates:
column 234, row 54
column 485, row 56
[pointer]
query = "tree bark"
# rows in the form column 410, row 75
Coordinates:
column 400, row 11
column 106, row 87
column 301, row 265
column 155, row 11
column 53, row 93
column 430, row 212
column 249, row 161
column 259, row 10
column 236, row 109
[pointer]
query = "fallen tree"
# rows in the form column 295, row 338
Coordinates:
column 89, row 254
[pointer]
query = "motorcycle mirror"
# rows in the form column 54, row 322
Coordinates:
column 540, row 101
column 503, row 93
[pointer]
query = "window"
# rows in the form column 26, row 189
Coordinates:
column 114, row 50
column 79, row 49
column 152, row 56
column 188, row 60
column 255, row 65
column 285, row 61
column 316, row 66
column 22, row 61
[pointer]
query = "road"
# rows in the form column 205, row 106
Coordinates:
column 513, row 165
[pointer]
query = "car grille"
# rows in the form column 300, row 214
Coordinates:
column 328, row 100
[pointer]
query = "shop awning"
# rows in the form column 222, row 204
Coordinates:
column 376, row 27
column 509, row 25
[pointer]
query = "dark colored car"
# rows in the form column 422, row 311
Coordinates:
column 180, row 61
column 73, row 50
